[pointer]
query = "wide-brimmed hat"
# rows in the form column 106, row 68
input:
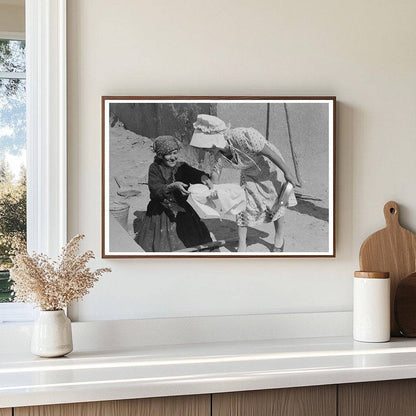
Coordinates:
column 209, row 132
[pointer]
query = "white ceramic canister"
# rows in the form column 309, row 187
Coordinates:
column 371, row 313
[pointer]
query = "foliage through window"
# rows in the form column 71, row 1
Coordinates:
column 12, row 156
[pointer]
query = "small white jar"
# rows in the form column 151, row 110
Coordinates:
column 371, row 307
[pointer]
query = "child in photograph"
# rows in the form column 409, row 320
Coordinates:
column 264, row 174
column 170, row 223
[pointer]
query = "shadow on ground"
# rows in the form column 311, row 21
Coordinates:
column 309, row 208
column 227, row 230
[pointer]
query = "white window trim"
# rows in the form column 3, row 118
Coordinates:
column 12, row 35
column 46, row 125
column 13, row 75
column 46, row 133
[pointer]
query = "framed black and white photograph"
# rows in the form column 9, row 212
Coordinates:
column 218, row 177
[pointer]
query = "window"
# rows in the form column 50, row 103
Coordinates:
column 45, row 29
column 12, row 153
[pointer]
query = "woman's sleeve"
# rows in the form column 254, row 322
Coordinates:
column 192, row 175
column 157, row 186
column 255, row 141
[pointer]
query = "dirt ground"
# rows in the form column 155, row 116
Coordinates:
column 305, row 225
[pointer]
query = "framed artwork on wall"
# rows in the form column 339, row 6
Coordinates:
column 218, row 176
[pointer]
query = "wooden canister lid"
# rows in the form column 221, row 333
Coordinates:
column 372, row 275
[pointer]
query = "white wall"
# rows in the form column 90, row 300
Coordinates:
column 361, row 51
column 12, row 18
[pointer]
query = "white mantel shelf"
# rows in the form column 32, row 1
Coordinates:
column 151, row 371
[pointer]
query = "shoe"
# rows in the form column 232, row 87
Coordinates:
column 280, row 249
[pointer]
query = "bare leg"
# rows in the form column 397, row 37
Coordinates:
column 242, row 239
column 279, row 234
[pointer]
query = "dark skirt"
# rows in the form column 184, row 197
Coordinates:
column 163, row 233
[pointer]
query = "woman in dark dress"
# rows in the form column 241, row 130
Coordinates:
column 170, row 223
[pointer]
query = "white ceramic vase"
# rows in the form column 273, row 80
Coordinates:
column 52, row 334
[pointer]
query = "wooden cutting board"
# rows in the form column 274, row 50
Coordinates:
column 393, row 250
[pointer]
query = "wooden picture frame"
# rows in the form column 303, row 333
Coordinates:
column 268, row 141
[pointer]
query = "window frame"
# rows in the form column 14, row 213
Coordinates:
column 12, row 35
column 46, row 138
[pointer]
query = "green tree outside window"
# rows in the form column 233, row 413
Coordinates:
column 12, row 146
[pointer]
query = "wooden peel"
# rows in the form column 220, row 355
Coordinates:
column 393, row 250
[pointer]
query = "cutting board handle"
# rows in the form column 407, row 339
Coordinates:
column 391, row 214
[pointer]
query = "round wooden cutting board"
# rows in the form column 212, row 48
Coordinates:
column 393, row 250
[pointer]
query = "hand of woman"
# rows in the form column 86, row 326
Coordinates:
column 213, row 195
column 180, row 186
column 292, row 179
column 207, row 182
column 271, row 154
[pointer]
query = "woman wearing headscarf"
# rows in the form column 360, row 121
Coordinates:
column 264, row 174
column 170, row 223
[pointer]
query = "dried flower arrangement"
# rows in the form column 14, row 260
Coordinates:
column 53, row 285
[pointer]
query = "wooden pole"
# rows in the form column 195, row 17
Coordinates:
column 292, row 150
column 267, row 121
